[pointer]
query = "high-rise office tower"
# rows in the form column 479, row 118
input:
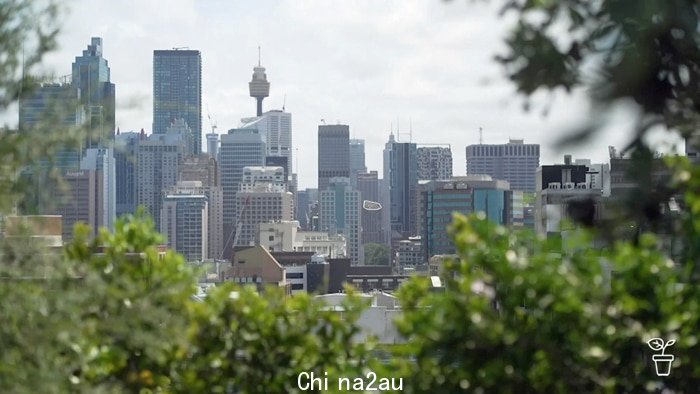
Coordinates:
column 372, row 229
column 101, row 160
column 184, row 222
column 401, row 179
column 340, row 213
column 97, row 93
column 239, row 148
column 77, row 201
column 177, row 92
column 213, row 145
column 215, row 212
column 88, row 194
column 438, row 200
column 434, row 163
column 333, row 153
column 263, row 203
column 54, row 108
column 158, row 160
column 302, row 208
column 279, row 161
column 180, row 126
column 258, row 86
column 277, row 128
column 125, row 150
column 49, row 111
column 515, row 162
column 357, row 157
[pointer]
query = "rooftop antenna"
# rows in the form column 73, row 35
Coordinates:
column 410, row 130
column 398, row 130
column 258, row 55
column 481, row 135
column 296, row 159
column 284, row 102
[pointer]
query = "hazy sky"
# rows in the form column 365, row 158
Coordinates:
column 367, row 63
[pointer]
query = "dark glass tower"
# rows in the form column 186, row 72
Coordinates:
column 177, row 92
column 333, row 153
column 97, row 93
column 401, row 174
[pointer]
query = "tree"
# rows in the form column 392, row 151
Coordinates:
column 520, row 313
column 377, row 254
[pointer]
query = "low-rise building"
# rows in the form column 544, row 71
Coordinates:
column 256, row 266
column 285, row 236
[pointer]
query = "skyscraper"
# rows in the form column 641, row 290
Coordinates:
column 276, row 126
column 54, row 108
column 372, row 229
column 263, row 203
column 239, row 148
column 76, row 201
column 88, row 195
column 357, row 155
column 341, row 208
column 357, row 158
column 125, row 151
column 215, row 216
column 333, row 153
column 434, row 163
column 515, row 162
column 101, row 160
column 401, row 179
column 158, row 159
column 184, row 222
column 177, row 92
column 97, row 93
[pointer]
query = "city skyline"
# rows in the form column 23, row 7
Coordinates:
column 455, row 88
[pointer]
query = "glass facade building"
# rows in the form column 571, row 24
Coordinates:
column 177, row 92
column 333, row 153
column 438, row 201
column 90, row 74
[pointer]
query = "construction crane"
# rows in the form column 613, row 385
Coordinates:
column 213, row 124
column 235, row 233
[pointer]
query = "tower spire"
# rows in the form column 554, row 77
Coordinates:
column 259, row 56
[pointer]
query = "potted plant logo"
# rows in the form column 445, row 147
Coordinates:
column 661, row 361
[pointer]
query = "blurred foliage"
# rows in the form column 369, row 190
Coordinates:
column 241, row 341
column 114, row 315
column 377, row 254
column 647, row 51
column 526, row 314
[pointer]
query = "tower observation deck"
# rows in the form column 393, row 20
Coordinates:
column 259, row 87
